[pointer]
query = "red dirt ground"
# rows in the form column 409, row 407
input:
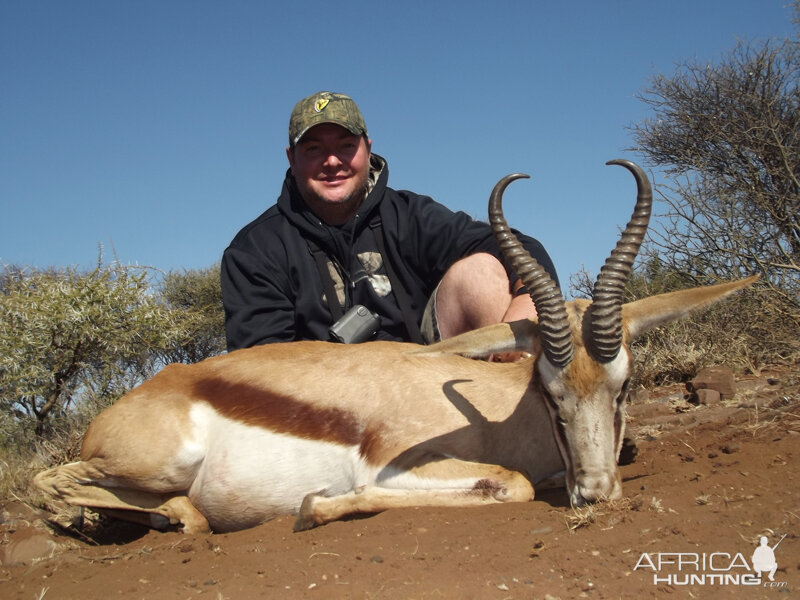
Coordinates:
column 708, row 480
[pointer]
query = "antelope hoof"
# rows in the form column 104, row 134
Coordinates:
column 306, row 518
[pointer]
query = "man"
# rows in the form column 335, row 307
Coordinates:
column 340, row 237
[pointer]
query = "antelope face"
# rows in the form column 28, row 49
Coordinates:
column 586, row 403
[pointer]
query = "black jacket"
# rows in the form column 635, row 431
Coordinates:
column 272, row 289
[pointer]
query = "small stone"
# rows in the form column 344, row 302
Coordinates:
column 708, row 397
column 26, row 549
column 731, row 447
column 720, row 379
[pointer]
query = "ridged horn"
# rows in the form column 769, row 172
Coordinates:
column 553, row 323
column 606, row 308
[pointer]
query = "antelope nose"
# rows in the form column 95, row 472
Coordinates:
column 593, row 487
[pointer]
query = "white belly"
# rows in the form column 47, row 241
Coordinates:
column 251, row 474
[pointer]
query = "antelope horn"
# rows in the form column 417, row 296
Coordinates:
column 606, row 308
column 553, row 323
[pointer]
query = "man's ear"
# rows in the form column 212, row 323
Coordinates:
column 290, row 157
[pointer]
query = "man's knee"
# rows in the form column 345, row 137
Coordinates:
column 473, row 293
column 481, row 268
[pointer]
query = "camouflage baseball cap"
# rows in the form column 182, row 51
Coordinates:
column 325, row 107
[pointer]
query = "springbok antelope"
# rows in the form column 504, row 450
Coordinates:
column 326, row 430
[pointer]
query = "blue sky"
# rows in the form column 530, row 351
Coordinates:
column 157, row 128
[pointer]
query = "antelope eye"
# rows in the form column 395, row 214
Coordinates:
column 550, row 402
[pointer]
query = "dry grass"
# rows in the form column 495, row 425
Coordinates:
column 23, row 456
column 703, row 499
column 610, row 512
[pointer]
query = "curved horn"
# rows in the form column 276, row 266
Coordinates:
column 606, row 309
column 553, row 323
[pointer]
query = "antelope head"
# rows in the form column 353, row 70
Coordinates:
column 583, row 365
column 583, row 361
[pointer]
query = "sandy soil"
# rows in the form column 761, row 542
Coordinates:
column 707, row 483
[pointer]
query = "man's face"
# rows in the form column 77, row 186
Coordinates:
column 330, row 166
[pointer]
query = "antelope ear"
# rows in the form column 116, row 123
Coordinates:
column 643, row 315
column 503, row 337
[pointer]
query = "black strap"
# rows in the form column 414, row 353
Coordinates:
column 409, row 317
column 327, row 281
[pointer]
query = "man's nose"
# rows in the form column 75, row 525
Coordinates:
column 332, row 160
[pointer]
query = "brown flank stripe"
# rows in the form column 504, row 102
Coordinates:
column 260, row 408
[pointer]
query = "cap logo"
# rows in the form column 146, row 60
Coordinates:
column 320, row 104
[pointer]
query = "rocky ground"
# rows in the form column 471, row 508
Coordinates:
column 709, row 480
